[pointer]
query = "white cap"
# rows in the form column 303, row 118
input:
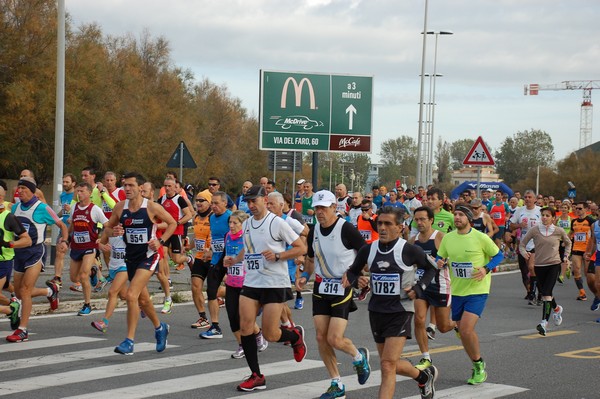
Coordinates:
column 490, row 190
column 323, row 198
column 301, row 181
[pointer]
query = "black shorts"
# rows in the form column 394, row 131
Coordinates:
column 332, row 305
column 200, row 268
column 267, row 295
column 434, row 298
column 384, row 325
column 175, row 243
column 578, row 253
column 592, row 267
column 78, row 254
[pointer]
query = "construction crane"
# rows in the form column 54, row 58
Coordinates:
column 585, row 125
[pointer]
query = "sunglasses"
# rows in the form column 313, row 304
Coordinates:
column 365, row 209
column 200, row 200
column 580, row 209
column 213, row 184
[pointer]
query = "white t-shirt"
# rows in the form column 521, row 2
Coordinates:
column 269, row 233
column 530, row 216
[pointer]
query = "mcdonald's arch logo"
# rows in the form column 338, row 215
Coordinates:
column 298, row 92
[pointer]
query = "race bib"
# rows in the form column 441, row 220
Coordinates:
column 462, row 269
column 217, row 245
column 580, row 237
column 199, row 244
column 331, row 286
column 307, row 219
column 118, row 253
column 564, row 224
column 366, row 234
column 385, row 284
column 496, row 215
column 105, row 207
column 254, row 262
column 235, row 270
column 419, row 273
column 136, row 236
column 81, row 237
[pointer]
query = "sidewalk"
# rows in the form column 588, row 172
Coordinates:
column 71, row 301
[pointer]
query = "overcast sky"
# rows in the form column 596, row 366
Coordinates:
column 498, row 46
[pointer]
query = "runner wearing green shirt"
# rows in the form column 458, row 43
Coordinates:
column 443, row 220
column 471, row 255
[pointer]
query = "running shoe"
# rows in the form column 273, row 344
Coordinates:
column 100, row 326
column 430, row 333
column 299, row 347
column 479, row 374
column 85, row 310
column 57, row 280
column 18, row 336
column 201, row 323
column 253, row 382
column 363, row 368
column 75, row 287
column 596, row 304
column 53, row 298
column 212, row 333
column 334, row 391
column 261, row 342
column 239, row 353
column 557, row 316
column 423, row 364
column 167, row 307
column 299, row 304
column 101, row 284
column 170, row 284
column 221, row 302
column 568, row 273
column 14, row 317
column 94, row 276
column 161, row 334
column 125, row 347
column 457, row 332
column 541, row 328
column 180, row 267
column 561, row 280
column 582, row 297
column 363, row 294
column 142, row 314
column 427, row 390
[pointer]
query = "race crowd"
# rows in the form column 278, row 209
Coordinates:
column 425, row 261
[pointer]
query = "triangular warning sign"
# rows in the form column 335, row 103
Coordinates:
column 181, row 158
column 479, row 155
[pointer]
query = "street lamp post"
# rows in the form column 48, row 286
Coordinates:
column 432, row 104
column 420, row 159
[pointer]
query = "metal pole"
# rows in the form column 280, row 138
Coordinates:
column 294, row 172
column 315, row 170
column 181, row 162
column 274, row 165
column 479, row 182
column 330, row 171
column 421, row 95
column 59, row 123
column 428, row 132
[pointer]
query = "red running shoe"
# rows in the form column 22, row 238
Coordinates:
column 253, row 382
column 300, row 346
column 53, row 298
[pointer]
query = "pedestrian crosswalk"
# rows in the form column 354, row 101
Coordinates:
column 90, row 369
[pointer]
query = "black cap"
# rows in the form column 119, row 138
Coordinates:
column 255, row 192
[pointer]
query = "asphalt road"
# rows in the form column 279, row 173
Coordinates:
column 66, row 357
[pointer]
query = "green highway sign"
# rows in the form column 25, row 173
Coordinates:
column 315, row 112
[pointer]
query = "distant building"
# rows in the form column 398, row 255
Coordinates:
column 468, row 174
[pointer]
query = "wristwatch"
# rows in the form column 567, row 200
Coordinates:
column 162, row 242
column 277, row 257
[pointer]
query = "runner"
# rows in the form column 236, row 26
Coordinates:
column 83, row 228
column 266, row 284
column 391, row 261
column 201, row 265
column 438, row 294
column 471, row 256
column 481, row 220
column 524, row 218
column 219, row 226
column 332, row 248
column 580, row 234
column 547, row 238
column 134, row 218
column 35, row 216
column 593, row 274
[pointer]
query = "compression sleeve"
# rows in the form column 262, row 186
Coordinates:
column 495, row 261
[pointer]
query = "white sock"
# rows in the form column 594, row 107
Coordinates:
column 432, row 326
column 425, row 355
column 358, row 357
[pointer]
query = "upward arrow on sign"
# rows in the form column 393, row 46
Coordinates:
column 351, row 111
column 479, row 155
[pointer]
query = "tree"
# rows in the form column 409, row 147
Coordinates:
column 458, row 151
column 521, row 154
column 399, row 157
column 443, row 155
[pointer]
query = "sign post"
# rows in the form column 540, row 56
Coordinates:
column 181, row 158
column 479, row 156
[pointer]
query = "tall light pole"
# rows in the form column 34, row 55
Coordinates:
column 432, row 104
column 420, row 159
column 428, row 135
